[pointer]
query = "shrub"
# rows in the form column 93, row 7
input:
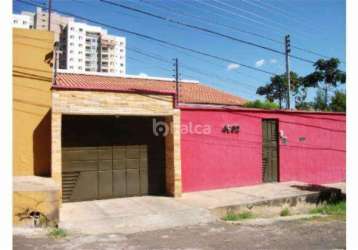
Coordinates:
column 285, row 212
column 261, row 104
column 240, row 216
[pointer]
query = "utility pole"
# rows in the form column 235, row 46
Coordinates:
column 287, row 51
column 176, row 69
column 56, row 64
column 49, row 14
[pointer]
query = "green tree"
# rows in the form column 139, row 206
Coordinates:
column 326, row 74
column 261, row 104
column 276, row 90
column 338, row 102
column 319, row 102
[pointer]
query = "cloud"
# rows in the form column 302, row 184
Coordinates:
column 232, row 66
column 260, row 63
column 143, row 74
column 273, row 61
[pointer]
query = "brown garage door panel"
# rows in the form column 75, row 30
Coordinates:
column 85, row 187
column 78, row 154
column 105, row 184
column 78, row 166
column 119, row 183
column 133, row 182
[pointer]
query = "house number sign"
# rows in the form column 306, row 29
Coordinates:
column 231, row 129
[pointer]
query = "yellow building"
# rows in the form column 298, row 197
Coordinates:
column 32, row 78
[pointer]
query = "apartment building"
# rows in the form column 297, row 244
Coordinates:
column 58, row 22
column 87, row 48
column 84, row 48
column 22, row 21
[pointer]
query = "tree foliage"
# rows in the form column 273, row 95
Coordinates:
column 261, row 104
column 325, row 75
column 277, row 89
column 338, row 102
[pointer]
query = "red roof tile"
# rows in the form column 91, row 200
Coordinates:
column 189, row 92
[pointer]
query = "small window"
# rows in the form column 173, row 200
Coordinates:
column 15, row 21
column 71, row 51
column 72, row 44
column 80, row 68
column 80, row 29
column 80, row 38
column 80, row 52
column 72, row 28
column 24, row 22
column 122, row 64
column 80, row 60
column 80, row 45
column 72, row 36
column 71, row 59
column 71, row 67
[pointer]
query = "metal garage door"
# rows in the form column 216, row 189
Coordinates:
column 103, row 157
column 103, row 172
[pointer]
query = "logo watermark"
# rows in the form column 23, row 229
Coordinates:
column 162, row 128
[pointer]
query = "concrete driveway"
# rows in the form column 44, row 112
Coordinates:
column 130, row 215
column 149, row 213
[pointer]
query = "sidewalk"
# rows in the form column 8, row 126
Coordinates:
column 147, row 213
column 252, row 194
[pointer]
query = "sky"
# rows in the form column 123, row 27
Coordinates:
column 316, row 25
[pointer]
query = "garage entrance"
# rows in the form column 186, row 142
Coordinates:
column 107, row 156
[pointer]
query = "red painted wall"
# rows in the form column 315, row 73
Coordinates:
column 218, row 160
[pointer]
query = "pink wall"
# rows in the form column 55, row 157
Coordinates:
column 218, row 160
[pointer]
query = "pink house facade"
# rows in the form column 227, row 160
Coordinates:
column 310, row 147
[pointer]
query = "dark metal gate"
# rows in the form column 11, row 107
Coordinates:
column 270, row 150
column 105, row 157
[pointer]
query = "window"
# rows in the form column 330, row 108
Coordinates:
column 121, row 50
column 122, row 64
column 15, row 21
column 71, row 67
column 80, row 68
column 72, row 44
column 80, row 52
column 80, row 60
column 71, row 59
column 80, row 38
column 71, row 51
column 72, row 28
column 80, row 45
column 24, row 22
column 72, row 36
column 80, row 29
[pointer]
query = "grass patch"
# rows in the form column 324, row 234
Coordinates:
column 338, row 208
column 285, row 212
column 57, row 233
column 238, row 216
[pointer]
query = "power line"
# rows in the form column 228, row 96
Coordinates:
column 208, row 21
column 148, row 37
column 192, row 69
column 309, row 51
column 204, row 30
column 203, row 20
column 222, row 80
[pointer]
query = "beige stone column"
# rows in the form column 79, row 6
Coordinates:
column 56, row 161
column 172, row 156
